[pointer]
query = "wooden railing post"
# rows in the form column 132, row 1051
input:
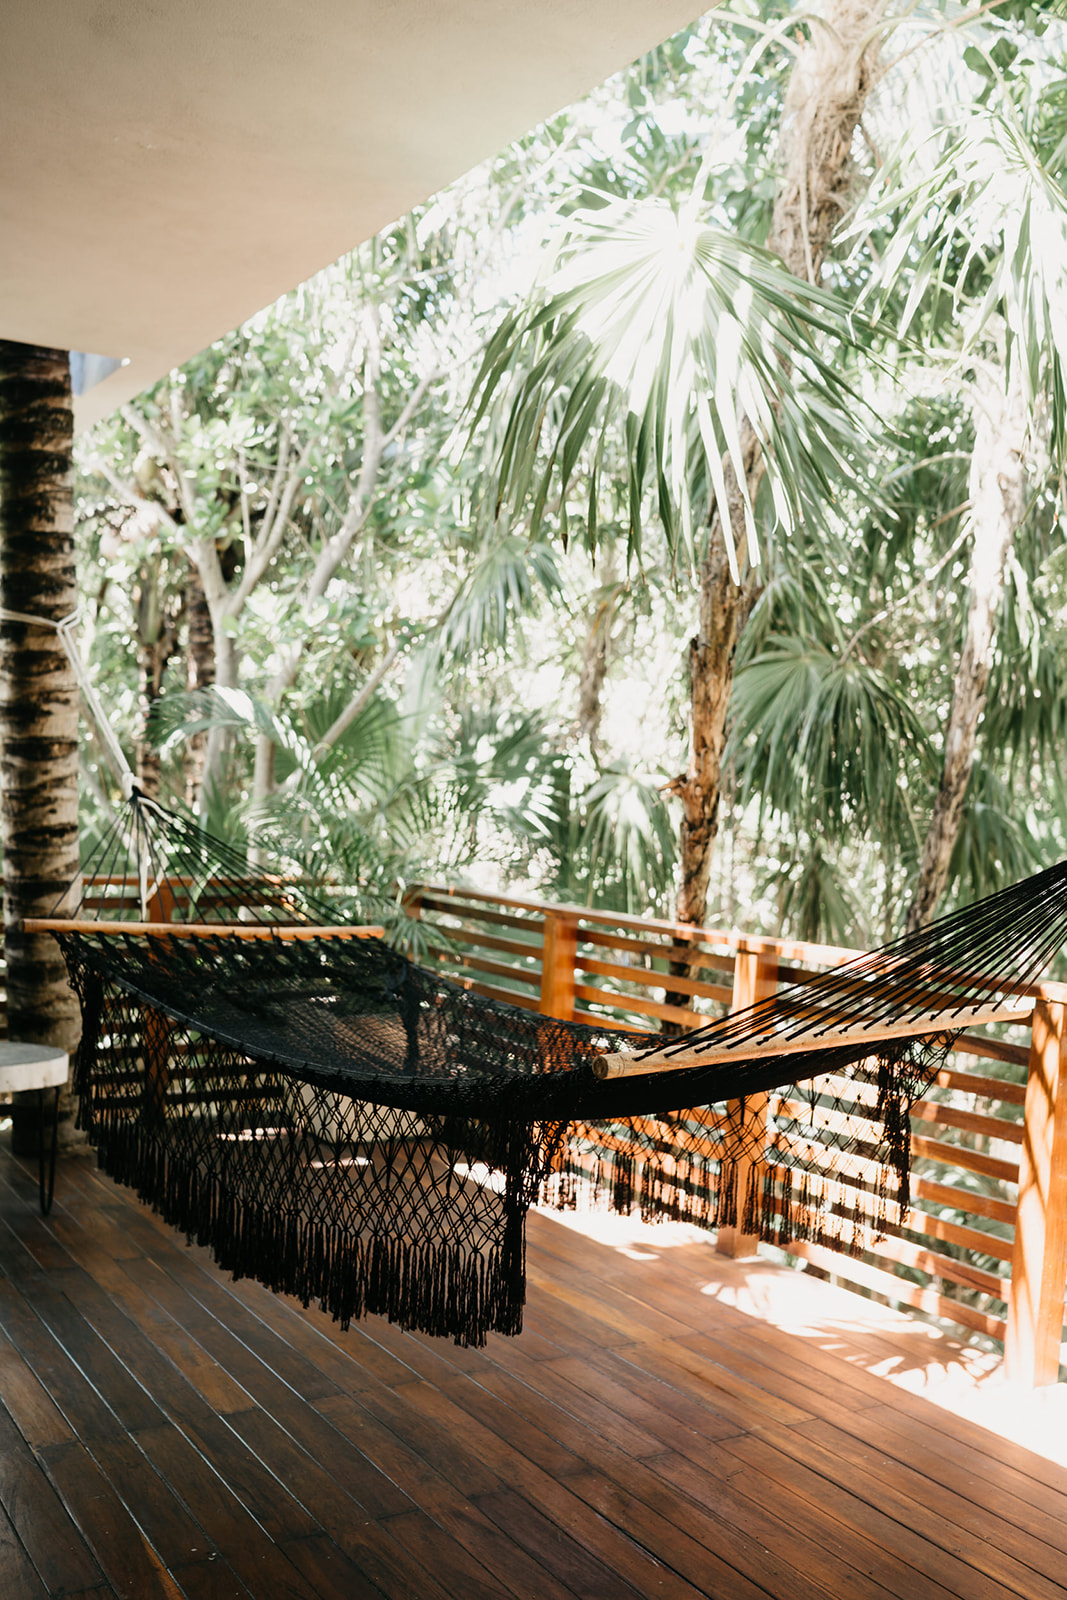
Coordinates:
column 158, row 1028
column 1039, row 1259
column 755, row 979
column 558, row 954
column 161, row 904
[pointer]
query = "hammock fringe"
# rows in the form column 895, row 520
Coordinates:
column 434, row 1288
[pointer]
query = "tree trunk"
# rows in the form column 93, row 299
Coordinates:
column 157, row 641
column 219, row 740
column 723, row 611
column 594, row 669
column 200, row 671
column 263, row 771
column 38, row 692
column 827, row 92
column 998, row 501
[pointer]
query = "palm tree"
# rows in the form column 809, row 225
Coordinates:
column 38, row 693
column 985, row 227
column 711, row 356
column 630, row 331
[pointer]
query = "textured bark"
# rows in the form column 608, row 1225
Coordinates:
column 827, row 92
column 200, row 671
column 157, row 642
column 724, row 608
column 38, row 692
column 219, row 740
column 998, row 501
column 595, row 665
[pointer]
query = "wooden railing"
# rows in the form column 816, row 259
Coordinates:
column 985, row 1244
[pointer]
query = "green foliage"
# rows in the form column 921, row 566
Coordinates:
column 655, row 323
column 986, row 198
column 827, row 740
column 611, row 392
column 619, row 849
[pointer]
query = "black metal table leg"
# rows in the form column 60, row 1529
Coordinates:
column 46, row 1191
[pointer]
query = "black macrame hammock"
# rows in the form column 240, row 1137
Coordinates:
column 354, row 1130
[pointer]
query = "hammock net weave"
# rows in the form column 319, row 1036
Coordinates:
column 350, row 1128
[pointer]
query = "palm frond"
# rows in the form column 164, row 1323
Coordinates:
column 503, row 584
column 825, row 738
column 816, row 901
column 622, row 847
column 663, row 328
column 995, row 845
column 984, row 224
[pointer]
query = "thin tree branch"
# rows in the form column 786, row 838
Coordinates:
column 246, row 515
column 356, row 705
column 270, row 538
column 161, row 446
column 270, row 510
column 133, row 498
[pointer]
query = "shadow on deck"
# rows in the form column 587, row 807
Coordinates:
column 670, row 1424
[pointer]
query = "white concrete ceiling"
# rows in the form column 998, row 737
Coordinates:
column 167, row 167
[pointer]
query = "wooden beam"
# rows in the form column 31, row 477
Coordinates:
column 1039, row 1260
column 825, row 1037
column 755, row 979
column 558, row 955
column 202, row 930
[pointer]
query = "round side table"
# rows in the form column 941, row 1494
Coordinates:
column 40, row 1067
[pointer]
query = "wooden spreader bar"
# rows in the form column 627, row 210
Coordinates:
column 202, row 930
column 824, row 1037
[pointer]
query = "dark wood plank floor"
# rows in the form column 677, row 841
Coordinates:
column 165, row 1432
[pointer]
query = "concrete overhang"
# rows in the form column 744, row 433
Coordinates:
column 166, row 169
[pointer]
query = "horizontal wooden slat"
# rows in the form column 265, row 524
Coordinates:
column 858, row 1183
column 664, row 1135
column 965, row 1200
column 862, row 1088
column 637, row 1003
column 492, row 992
column 596, row 1020
column 1011, row 1094
column 487, row 941
column 613, row 1141
column 714, row 960
column 496, row 969
column 706, row 1116
column 955, row 1155
column 655, row 980
column 906, row 1254
column 894, row 1288
column 971, row 1044
column 888, row 1243
column 843, row 1165
column 757, row 944
column 990, row 1244
column 493, row 919
column 968, row 1121
column 828, row 1120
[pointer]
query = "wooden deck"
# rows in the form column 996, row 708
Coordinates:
column 166, row 1432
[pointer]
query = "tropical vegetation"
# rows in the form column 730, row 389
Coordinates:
column 664, row 517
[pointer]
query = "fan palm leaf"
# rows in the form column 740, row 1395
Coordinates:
column 826, row 736
column 658, row 326
column 984, row 208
